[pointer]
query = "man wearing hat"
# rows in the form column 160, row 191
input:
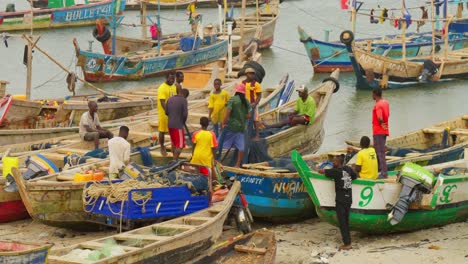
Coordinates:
column 235, row 120
column 304, row 112
column 253, row 93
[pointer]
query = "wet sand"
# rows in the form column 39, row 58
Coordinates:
column 306, row 242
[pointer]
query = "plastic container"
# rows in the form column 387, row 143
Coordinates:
column 82, row 177
column 186, row 43
column 21, row 97
column 8, row 164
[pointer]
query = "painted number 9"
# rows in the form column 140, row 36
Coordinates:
column 366, row 196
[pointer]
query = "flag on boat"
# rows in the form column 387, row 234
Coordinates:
column 406, row 15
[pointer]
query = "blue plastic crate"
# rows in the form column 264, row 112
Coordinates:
column 165, row 202
column 186, row 43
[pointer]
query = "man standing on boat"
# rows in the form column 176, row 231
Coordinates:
column 119, row 152
column 205, row 145
column 90, row 127
column 177, row 112
column 179, row 79
column 217, row 105
column 343, row 176
column 366, row 163
column 380, row 115
column 253, row 93
column 165, row 91
column 234, row 124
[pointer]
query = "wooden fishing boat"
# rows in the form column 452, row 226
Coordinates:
column 23, row 252
column 326, row 56
column 174, row 54
column 11, row 206
column 374, row 70
column 275, row 191
column 171, row 4
column 56, row 14
column 162, row 242
column 262, row 33
column 445, row 202
column 257, row 248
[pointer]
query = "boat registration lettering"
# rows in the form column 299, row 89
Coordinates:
column 86, row 14
column 377, row 64
column 445, row 197
column 289, row 187
column 367, row 194
column 252, row 180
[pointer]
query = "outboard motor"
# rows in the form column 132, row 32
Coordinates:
column 429, row 70
column 38, row 166
column 416, row 180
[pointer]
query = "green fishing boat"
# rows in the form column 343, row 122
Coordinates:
column 414, row 198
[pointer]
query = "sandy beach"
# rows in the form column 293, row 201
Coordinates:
column 306, row 242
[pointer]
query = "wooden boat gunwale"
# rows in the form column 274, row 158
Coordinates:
column 38, row 247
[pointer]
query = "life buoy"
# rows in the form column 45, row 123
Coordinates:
column 105, row 36
column 335, row 81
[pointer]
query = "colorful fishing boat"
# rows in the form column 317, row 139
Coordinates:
column 11, row 206
column 326, row 56
column 174, row 54
column 171, row 4
column 374, row 70
column 57, row 14
column 400, row 203
column 162, row 242
column 258, row 247
column 23, row 252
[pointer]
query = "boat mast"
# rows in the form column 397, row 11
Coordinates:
column 403, row 32
column 256, row 12
column 143, row 5
column 159, row 26
column 241, row 46
column 29, row 54
column 433, row 29
column 353, row 17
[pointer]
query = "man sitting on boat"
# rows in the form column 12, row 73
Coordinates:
column 90, row 127
column 119, row 152
column 366, row 162
column 304, row 112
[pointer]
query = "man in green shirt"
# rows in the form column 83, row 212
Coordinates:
column 304, row 112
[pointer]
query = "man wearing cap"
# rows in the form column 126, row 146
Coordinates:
column 253, row 93
column 304, row 112
column 235, row 119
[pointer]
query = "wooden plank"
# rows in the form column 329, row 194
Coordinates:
column 97, row 245
column 459, row 132
column 176, row 226
column 73, row 151
column 250, row 249
column 465, row 117
column 433, row 130
column 139, row 237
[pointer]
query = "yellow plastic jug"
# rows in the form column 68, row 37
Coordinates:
column 8, row 164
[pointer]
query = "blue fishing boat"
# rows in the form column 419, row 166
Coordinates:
column 274, row 190
column 136, row 65
column 22, row 252
column 57, row 14
column 326, row 56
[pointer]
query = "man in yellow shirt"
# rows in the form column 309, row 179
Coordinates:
column 366, row 162
column 217, row 105
column 253, row 94
column 165, row 91
column 205, row 145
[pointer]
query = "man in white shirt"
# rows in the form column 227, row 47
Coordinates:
column 90, row 127
column 119, row 152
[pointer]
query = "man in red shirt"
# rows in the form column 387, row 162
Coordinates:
column 380, row 115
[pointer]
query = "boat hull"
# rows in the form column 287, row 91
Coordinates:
column 11, row 205
column 447, row 203
column 81, row 15
column 274, row 198
column 18, row 252
column 18, row 112
column 105, row 68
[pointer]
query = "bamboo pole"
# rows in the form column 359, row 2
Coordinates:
column 143, row 6
column 403, row 32
column 31, row 42
column 241, row 41
column 446, row 36
column 353, row 19
column 257, row 12
column 433, row 29
column 29, row 63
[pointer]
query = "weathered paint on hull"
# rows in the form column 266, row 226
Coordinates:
column 376, row 223
column 12, row 210
column 276, row 199
column 75, row 16
column 30, row 257
column 330, row 68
